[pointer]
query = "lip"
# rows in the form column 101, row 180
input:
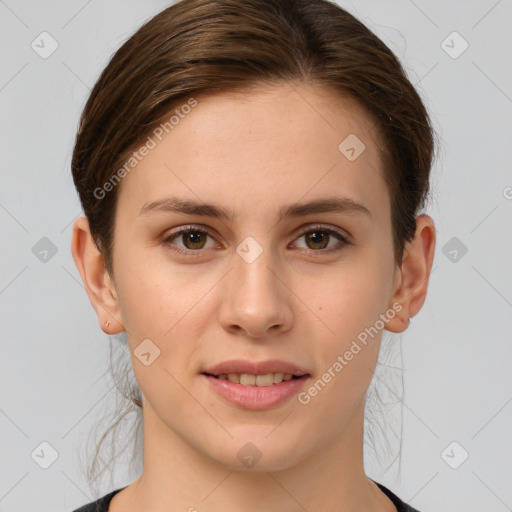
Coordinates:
column 255, row 367
column 256, row 397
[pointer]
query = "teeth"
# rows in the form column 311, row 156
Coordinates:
column 246, row 379
column 265, row 380
column 278, row 377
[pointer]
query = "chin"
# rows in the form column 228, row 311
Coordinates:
column 258, row 452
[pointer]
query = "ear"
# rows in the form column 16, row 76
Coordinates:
column 411, row 279
column 97, row 282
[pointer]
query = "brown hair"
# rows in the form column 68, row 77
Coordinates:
column 199, row 46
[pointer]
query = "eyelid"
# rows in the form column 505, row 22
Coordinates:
column 305, row 228
column 169, row 237
column 343, row 237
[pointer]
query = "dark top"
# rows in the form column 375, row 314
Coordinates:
column 101, row 505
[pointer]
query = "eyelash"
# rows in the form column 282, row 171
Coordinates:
column 191, row 229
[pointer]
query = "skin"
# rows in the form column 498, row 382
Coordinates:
column 253, row 153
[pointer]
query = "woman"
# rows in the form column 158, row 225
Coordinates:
column 252, row 175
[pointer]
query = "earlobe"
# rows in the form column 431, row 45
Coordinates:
column 97, row 282
column 413, row 275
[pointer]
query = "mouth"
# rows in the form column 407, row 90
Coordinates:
column 248, row 379
column 256, row 385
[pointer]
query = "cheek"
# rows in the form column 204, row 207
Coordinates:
column 344, row 301
column 346, row 326
column 171, row 309
column 156, row 296
column 345, row 359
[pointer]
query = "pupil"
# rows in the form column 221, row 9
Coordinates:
column 316, row 237
column 195, row 237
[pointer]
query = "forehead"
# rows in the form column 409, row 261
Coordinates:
column 259, row 147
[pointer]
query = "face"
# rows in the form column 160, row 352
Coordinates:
column 271, row 287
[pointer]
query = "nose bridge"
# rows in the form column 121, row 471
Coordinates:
column 256, row 298
column 254, row 276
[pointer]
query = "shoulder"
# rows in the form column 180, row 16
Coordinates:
column 100, row 505
column 399, row 504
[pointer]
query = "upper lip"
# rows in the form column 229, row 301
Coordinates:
column 255, row 367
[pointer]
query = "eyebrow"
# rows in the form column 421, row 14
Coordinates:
column 191, row 207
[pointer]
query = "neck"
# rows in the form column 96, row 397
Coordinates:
column 177, row 477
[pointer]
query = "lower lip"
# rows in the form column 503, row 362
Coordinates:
column 256, row 397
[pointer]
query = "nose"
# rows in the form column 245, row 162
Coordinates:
column 256, row 301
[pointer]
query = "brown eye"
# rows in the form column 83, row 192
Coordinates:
column 319, row 239
column 196, row 239
column 192, row 239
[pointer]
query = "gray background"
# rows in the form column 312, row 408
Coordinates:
column 457, row 352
